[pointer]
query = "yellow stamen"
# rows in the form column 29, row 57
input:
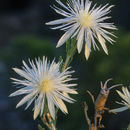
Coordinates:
column 86, row 20
column 46, row 86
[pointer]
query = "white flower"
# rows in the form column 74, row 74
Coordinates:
column 84, row 22
column 44, row 83
column 126, row 100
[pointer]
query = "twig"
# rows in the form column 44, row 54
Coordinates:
column 92, row 97
column 90, row 124
column 45, row 121
column 85, row 112
column 50, row 122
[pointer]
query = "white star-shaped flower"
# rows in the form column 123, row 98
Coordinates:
column 44, row 83
column 85, row 22
column 125, row 95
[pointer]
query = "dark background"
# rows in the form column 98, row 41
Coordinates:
column 23, row 35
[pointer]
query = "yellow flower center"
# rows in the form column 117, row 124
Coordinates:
column 46, row 86
column 86, row 20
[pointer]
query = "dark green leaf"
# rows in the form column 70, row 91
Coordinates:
column 68, row 46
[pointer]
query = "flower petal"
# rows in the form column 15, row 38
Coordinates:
column 119, row 109
column 102, row 41
column 61, row 105
column 66, row 36
column 87, row 51
column 80, row 40
column 38, row 106
column 26, row 98
column 21, row 91
column 51, row 106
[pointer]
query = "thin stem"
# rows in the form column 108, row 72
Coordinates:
column 52, row 126
column 91, row 125
column 50, row 122
column 95, row 120
column 47, row 120
column 86, row 114
column 68, row 58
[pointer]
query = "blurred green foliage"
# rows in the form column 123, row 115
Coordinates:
column 128, row 127
column 26, row 46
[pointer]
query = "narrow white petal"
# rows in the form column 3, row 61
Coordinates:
column 87, row 51
column 59, row 21
column 30, row 102
column 42, row 105
column 51, row 106
column 64, row 6
column 22, row 73
column 66, row 94
column 102, row 42
column 21, row 91
column 119, row 109
column 123, row 96
column 75, row 33
column 61, row 11
column 80, row 39
column 37, row 111
column 65, row 37
column 61, row 105
column 38, row 106
column 126, row 92
column 26, row 98
column 63, row 97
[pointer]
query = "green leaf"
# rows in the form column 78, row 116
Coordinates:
column 56, row 111
column 68, row 46
column 40, row 127
column 70, row 50
column 73, row 42
column 62, row 63
column 60, row 59
column 72, row 53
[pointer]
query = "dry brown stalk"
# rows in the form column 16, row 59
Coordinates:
column 99, row 105
column 48, row 121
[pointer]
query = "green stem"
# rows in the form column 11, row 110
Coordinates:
column 69, row 57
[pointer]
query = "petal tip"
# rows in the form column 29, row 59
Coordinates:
column 17, row 105
column 57, row 46
column 35, row 115
column 46, row 23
